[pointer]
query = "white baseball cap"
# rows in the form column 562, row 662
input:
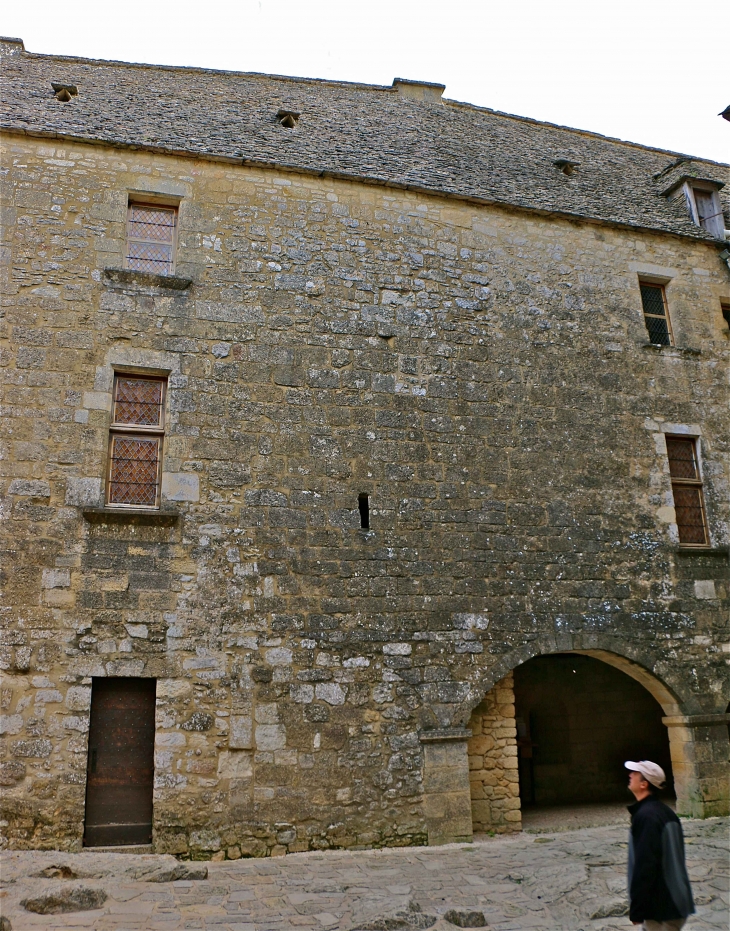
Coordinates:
column 650, row 771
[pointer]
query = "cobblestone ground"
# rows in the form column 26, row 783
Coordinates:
column 565, row 881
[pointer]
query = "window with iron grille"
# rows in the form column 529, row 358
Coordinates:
column 689, row 502
column 656, row 316
column 135, row 441
column 151, row 233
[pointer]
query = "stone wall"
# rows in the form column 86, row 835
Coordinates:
column 481, row 373
column 493, row 770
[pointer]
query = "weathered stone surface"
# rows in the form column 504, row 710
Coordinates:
column 65, row 898
column 198, row 721
column 465, row 919
column 611, row 908
column 478, row 370
column 492, row 751
column 509, row 880
column 179, row 486
column 171, row 873
column 29, row 488
column 412, row 917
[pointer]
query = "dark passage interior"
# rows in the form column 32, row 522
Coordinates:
column 120, row 768
column 578, row 721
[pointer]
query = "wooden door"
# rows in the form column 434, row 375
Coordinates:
column 120, row 766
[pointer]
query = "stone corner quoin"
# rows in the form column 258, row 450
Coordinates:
column 414, row 433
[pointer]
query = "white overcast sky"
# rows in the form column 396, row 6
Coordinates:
column 650, row 71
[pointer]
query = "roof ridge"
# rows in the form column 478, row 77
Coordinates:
column 200, row 69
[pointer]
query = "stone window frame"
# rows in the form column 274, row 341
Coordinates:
column 698, row 483
column 178, row 485
column 662, row 480
column 654, row 281
column 141, row 199
column 117, row 429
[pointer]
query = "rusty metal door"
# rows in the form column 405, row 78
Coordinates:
column 120, row 766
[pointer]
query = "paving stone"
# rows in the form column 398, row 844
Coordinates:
column 516, row 884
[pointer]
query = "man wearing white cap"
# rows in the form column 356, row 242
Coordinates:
column 660, row 897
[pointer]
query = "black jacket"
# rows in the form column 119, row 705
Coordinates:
column 659, row 887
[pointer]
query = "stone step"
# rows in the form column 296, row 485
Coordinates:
column 122, row 848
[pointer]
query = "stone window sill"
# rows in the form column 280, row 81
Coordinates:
column 717, row 552
column 672, row 350
column 166, row 518
column 128, row 276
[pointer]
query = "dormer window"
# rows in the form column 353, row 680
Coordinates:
column 288, row 118
column 64, row 92
column 696, row 186
column 566, row 165
column 706, row 209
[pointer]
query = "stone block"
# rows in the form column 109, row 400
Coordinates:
column 56, row 578
column 31, row 488
column 705, row 589
column 83, row 492
column 448, row 818
column 240, row 734
column 78, row 698
column 180, row 486
column 270, row 737
column 331, row 692
column 11, row 723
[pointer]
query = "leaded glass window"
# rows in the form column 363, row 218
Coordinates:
column 689, row 503
column 135, row 442
column 151, row 238
column 654, row 302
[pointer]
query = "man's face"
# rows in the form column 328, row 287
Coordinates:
column 638, row 786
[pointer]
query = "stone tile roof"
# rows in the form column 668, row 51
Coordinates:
column 349, row 130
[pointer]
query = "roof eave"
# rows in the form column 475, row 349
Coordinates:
column 697, row 233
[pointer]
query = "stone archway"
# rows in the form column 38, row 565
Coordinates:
column 556, row 732
column 701, row 787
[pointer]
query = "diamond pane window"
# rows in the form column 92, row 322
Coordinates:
column 655, row 314
column 689, row 503
column 135, row 442
column 133, row 478
column 151, row 238
column 138, row 401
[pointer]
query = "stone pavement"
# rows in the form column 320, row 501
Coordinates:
column 566, row 881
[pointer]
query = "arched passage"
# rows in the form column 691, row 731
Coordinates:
column 697, row 742
column 557, row 729
column 578, row 719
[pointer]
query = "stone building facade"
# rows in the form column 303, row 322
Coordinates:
column 414, row 435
